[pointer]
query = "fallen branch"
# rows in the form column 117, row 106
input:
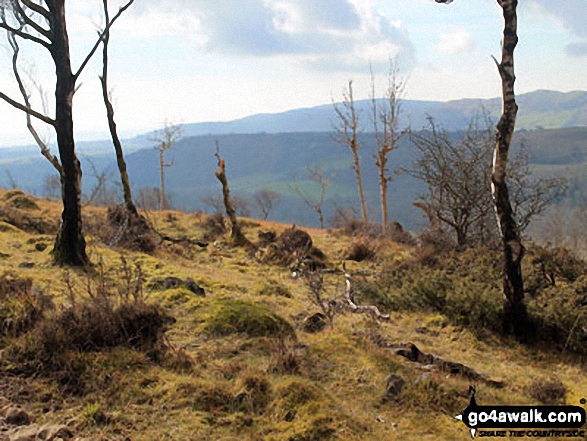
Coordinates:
column 183, row 240
column 412, row 353
column 350, row 298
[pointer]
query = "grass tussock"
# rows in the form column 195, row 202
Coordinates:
column 229, row 316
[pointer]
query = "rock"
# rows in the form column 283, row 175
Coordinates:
column 15, row 416
column 314, row 323
column 47, row 432
column 393, row 385
column 41, row 247
column 175, row 282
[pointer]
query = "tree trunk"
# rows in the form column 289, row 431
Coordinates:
column 126, row 189
column 515, row 314
column 70, row 245
column 162, row 181
column 360, row 181
column 235, row 232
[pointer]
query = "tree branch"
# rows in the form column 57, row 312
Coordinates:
column 37, row 8
column 30, row 22
column 25, row 36
column 44, row 150
column 25, row 109
column 101, row 38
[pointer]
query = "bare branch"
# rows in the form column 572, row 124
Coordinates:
column 30, row 22
column 25, row 35
column 37, row 8
column 101, row 38
column 25, row 109
column 44, row 150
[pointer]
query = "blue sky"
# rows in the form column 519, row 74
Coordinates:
column 201, row 60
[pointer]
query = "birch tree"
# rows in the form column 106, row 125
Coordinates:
column 348, row 134
column 164, row 142
column 515, row 313
column 387, row 135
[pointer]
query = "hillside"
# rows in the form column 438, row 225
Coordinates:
column 276, row 161
column 240, row 362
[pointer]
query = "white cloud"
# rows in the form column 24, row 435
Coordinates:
column 325, row 34
column 456, row 42
column 571, row 15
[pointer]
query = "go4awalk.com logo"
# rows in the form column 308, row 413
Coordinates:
column 544, row 421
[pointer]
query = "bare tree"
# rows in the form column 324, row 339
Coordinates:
column 388, row 136
column 347, row 133
column 266, row 200
column 44, row 24
column 214, row 202
column 51, row 186
column 529, row 196
column 164, row 142
column 316, row 174
column 126, row 189
column 457, row 176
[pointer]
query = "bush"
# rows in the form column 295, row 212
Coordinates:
column 129, row 231
column 463, row 289
column 21, row 306
column 548, row 391
column 360, row 251
column 214, row 227
column 105, row 316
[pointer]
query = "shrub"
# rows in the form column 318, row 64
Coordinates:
column 21, row 306
column 548, row 391
column 128, row 230
column 214, row 227
column 359, row 251
column 255, row 393
column 104, row 317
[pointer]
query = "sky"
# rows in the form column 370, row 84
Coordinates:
column 186, row 61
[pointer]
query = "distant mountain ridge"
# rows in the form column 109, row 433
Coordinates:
column 539, row 109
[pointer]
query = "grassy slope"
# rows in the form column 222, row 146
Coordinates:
column 341, row 379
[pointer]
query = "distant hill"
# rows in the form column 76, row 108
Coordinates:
column 276, row 161
column 540, row 109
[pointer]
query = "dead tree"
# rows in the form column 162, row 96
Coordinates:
column 515, row 313
column 317, row 175
column 164, row 142
column 236, row 233
column 44, row 24
column 388, row 136
column 266, row 200
column 348, row 134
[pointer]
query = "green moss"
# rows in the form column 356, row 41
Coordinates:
column 237, row 316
